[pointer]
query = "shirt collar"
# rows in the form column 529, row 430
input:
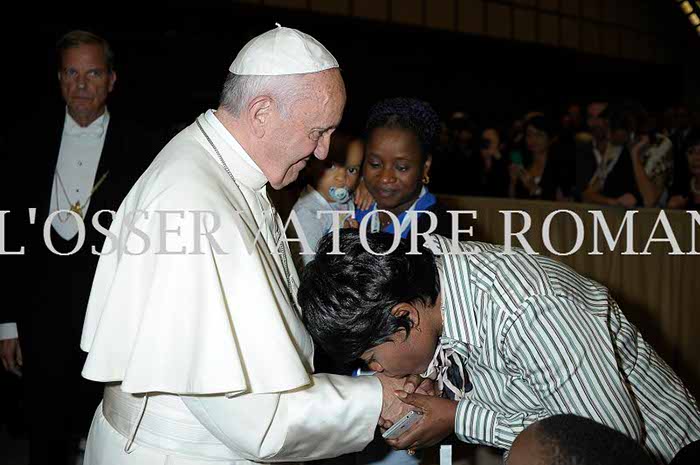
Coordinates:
column 95, row 129
column 236, row 158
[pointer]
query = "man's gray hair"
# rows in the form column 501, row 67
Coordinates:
column 74, row 39
column 239, row 90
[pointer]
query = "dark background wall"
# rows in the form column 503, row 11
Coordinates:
column 171, row 61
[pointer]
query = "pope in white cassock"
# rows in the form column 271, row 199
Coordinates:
column 192, row 323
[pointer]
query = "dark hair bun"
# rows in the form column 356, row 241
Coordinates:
column 409, row 114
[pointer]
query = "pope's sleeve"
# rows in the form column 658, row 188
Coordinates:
column 332, row 416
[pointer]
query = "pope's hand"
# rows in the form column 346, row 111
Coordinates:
column 392, row 407
column 416, row 383
column 435, row 425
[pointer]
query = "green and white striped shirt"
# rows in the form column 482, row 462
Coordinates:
column 538, row 339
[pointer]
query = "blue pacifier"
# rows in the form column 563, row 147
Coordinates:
column 339, row 194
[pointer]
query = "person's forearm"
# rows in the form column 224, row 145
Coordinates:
column 479, row 424
column 650, row 192
column 334, row 416
column 592, row 196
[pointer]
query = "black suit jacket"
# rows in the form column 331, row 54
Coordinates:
column 621, row 179
column 52, row 289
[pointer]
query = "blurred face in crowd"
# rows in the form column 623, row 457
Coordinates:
column 572, row 118
column 85, row 82
column 694, row 160
column 619, row 137
column 593, row 113
column 537, row 140
column 394, row 168
column 599, row 126
column 464, row 136
column 492, row 143
column 306, row 131
column 516, row 131
column 345, row 175
column 574, row 114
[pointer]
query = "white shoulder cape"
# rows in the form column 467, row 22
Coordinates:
column 203, row 322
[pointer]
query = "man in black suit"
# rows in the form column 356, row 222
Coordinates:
column 67, row 168
column 610, row 173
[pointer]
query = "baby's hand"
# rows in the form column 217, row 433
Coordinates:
column 363, row 199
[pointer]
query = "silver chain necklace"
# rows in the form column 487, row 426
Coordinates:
column 273, row 213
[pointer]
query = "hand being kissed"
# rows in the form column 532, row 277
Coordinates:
column 435, row 425
column 392, row 407
column 438, row 417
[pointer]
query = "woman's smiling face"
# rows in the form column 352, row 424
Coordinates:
column 394, row 168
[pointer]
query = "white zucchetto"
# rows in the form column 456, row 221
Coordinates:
column 282, row 51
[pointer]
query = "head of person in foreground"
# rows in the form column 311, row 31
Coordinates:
column 573, row 440
column 383, row 309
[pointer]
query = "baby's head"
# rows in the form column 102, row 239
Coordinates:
column 383, row 309
column 336, row 177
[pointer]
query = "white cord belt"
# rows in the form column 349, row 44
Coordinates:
column 161, row 421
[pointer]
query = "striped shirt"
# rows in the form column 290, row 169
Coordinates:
column 538, row 339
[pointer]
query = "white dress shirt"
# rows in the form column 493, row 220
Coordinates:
column 605, row 161
column 76, row 171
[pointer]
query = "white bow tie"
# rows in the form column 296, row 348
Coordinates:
column 96, row 129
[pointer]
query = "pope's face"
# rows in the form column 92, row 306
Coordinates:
column 307, row 130
column 85, row 82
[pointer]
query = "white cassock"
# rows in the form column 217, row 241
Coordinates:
column 204, row 353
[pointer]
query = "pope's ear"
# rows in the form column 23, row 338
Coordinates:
column 259, row 114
